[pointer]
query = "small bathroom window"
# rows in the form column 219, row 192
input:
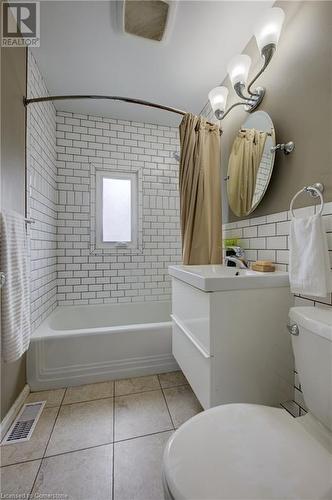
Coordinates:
column 116, row 209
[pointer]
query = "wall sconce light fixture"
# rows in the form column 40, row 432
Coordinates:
column 267, row 34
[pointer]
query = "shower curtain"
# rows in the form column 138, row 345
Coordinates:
column 243, row 166
column 200, row 191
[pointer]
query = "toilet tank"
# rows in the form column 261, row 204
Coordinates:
column 313, row 358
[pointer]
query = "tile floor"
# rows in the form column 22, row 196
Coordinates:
column 99, row 442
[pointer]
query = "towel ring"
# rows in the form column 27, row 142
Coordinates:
column 315, row 191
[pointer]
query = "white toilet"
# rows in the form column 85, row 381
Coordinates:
column 245, row 451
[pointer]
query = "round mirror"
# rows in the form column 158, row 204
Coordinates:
column 250, row 163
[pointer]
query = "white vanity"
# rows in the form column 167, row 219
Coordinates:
column 229, row 334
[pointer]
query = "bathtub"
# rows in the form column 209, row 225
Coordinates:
column 85, row 344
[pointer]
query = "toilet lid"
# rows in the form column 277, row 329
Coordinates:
column 244, row 451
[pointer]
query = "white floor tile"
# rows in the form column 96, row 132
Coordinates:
column 80, row 475
column 140, row 414
column 82, row 425
column 18, row 479
column 89, row 392
column 137, row 468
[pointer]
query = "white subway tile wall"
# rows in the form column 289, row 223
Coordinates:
column 41, row 198
column 63, row 149
column 86, row 143
column 267, row 238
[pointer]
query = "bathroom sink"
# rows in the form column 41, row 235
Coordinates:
column 228, row 326
column 213, row 278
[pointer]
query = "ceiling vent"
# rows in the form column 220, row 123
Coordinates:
column 146, row 18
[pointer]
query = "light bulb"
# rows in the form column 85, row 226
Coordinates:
column 218, row 99
column 238, row 69
column 268, row 30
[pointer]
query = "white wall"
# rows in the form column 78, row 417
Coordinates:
column 41, row 197
column 12, row 182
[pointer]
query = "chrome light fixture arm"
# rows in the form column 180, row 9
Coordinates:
column 220, row 115
column 249, row 103
column 253, row 100
column 239, row 88
column 267, row 52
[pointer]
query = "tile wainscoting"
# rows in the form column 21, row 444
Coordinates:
column 267, row 238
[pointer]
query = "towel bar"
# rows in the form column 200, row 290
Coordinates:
column 315, row 191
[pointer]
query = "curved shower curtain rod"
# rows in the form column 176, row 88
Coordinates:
column 109, row 97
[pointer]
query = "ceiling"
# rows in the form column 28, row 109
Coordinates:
column 83, row 50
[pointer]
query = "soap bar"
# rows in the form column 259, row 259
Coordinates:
column 263, row 266
column 264, row 262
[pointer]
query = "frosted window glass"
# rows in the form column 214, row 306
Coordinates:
column 116, row 210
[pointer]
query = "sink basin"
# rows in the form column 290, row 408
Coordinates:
column 214, row 278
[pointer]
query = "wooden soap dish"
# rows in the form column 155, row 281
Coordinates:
column 263, row 266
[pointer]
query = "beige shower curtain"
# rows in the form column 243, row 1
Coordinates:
column 243, row 166
column 200, row 191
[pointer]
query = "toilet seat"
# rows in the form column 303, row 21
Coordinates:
column 244, row 451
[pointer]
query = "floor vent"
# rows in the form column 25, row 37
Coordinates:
column 293, row 408
column 24, row 424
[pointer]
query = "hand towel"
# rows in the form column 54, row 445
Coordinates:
column 15, row 296
column 309, row 265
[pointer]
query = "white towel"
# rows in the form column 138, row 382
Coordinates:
column 15, row 296
column 309, row 265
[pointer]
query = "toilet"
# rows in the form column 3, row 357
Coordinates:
column 246, row 451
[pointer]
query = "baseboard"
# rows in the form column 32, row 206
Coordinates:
column 13, row 411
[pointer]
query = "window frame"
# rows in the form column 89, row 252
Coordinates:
column 125, row 175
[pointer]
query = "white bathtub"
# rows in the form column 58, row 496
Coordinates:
column 85, row 344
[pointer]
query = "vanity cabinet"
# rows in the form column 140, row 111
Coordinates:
column 232, row 344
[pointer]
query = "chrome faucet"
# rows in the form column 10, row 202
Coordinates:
column 238, row 262
column 237, row 257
